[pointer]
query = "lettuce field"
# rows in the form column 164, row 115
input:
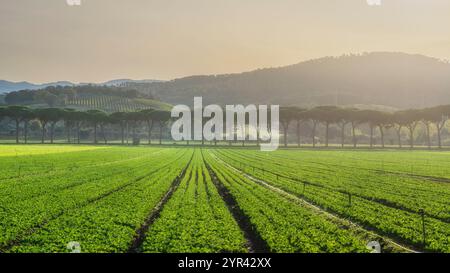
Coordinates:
column 201, row 199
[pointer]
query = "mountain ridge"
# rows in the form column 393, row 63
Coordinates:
column 10, row 86
column 393, row 79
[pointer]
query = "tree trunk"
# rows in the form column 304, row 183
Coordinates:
column 285, row 128
column 78, row 132
column 382, row 135
column 68, row 129
column 411, row 137
column 95, row 133
column 342, row 135
column 438, row 127
column 245, row 135
column 26, row 131
column 354, row 135
column 257, row 136
column 43, row 132
column 122, row 133
column 427, row 126
column 399, row 137
column 103, row 134
column 327, row 130
column 128, row 131
column 298, row 133
column 52, row 132
column 371, row 136
column 314, row 134
column 17, row 130
column 150, row 127
column 160, row 134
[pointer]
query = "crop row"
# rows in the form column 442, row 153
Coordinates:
column 284, row 225
column 56, row 162
column 405, row 193
column 405, row 225
column 48, row 200
column 195, row 219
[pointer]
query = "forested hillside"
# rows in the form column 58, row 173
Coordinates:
column 390, row 79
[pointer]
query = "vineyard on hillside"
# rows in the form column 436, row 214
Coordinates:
column 183, row 199
column 114, row 104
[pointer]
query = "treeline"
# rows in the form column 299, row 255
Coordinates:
column 74, row 121
column 59, row 95
column 375, row 120
column 303, row 122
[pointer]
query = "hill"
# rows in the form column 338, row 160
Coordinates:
column 387, row 79
column 7, row 86
column 122, row 82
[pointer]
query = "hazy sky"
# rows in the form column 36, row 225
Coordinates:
column 48, row 40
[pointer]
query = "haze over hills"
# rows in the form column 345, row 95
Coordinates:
column 380, row 79
column 7, row 86
column 389, row 79
column 120, row 82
